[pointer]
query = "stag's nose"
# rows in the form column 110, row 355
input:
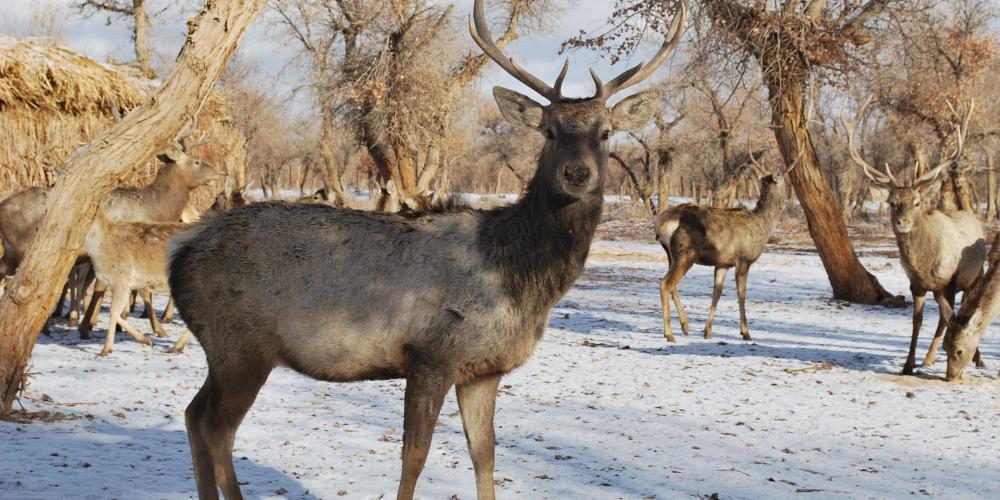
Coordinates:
column 577, row 173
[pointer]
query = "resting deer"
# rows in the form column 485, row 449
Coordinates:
column 940, row 252
column 718, row 237
column 457, row 297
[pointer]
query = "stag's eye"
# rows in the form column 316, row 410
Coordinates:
column 605, row 135
column 550, row 135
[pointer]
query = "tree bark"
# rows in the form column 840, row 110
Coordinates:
column 92, row 173
column 991, row 188
column 824, row 216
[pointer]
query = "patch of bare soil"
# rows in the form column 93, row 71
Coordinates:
column 921, row 380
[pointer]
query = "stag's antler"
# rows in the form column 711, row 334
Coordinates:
column 961, row 130
column 642, row 71
column 886, row 179
column 481, row 34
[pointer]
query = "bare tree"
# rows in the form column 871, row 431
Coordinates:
column 789, row 41
column 97, row 169
column 134, row 11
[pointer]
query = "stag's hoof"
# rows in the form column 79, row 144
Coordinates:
column 104, row 352
column 980, row 364
column 176, row 350
column 708, row 334
column 160, row 332
column 670, row 338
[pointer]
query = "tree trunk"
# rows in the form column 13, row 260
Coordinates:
column 331, row 170
column 991, row 188
column 141, row 48
column 99, row 168
column 824, row 216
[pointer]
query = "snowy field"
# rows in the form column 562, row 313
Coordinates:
column 811, row 408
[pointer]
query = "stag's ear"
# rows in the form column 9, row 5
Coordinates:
column 172, row 154
column 636, row 110
column 518, row 109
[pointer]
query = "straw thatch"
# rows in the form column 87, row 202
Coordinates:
column 53, row 101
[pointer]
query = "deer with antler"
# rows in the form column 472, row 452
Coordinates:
column 454, row 298
column 718, row 237
column 941, row 252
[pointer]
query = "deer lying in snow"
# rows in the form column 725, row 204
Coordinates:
column 940, row 252
column 718, row 237
column 457, row 297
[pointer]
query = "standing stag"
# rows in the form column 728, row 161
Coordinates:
column 456, row 297
column 721, row 238
column 941, row 252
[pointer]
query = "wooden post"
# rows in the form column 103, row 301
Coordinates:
column 100, row 167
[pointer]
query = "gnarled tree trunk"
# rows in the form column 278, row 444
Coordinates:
column 824, row 216
column 99, row 168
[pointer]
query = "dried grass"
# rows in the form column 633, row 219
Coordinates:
column 53, row 101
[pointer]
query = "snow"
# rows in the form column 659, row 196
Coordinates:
column 811, row 408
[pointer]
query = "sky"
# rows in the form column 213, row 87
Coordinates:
column 538, row 53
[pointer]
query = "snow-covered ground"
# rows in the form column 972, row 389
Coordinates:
column 605, row 409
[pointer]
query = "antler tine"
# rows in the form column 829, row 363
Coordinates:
column 794, row 163
column 757, row 168
column 639, row 73
column 850, row 127
column 481, row 35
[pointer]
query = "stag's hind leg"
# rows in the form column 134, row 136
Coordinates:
column 154, row 320
column 425, row 391
column 720, row 278
column 668, row 287
column 119, row 300
column 946, row 307
column 477, row 403
column 212, row 419
column 90, row 316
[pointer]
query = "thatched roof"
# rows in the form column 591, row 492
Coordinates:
column 53, row 101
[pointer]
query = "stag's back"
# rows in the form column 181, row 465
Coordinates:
column 944, row 246
column 718, row 236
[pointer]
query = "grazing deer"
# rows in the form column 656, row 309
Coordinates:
column 941, row 252
column 457, row 297
column 718, row 237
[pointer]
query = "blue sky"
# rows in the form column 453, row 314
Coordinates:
column 538, row 52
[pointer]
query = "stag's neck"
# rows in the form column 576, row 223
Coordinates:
column 540, row 244
column 169, row 190
column 770, row 204
column 918, row 246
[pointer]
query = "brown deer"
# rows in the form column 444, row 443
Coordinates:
column 129, row 256
column 718, row 237
column 941, row 252
column 454, row 297
column 164, row 200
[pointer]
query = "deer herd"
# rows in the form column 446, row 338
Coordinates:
column 445, row 297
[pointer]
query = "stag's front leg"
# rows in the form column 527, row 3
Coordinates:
column 720, row 278
column 742, row 271
column 425, row 391
column 918, row 320
column 477, row 403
